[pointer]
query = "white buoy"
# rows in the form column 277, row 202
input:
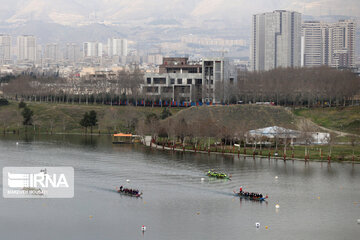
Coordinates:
column 127, row 180
column 17, row 143
column 358, row 221
column 202, row 179
column 276, row 177
column 257, row 225
column 277, row 206
column 143, row 228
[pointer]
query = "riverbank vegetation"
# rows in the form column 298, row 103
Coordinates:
column 208, row 128
column 224, row 130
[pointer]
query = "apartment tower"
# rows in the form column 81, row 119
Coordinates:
column 275, row 40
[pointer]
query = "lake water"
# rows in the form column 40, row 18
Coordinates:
column 316, row 201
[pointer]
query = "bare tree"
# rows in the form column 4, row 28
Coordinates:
column 307, row 130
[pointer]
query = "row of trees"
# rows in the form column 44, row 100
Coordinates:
column 124, row 87
column 321, row 86
column 297, row 86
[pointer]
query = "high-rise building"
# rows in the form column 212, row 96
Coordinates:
column 331, row 44
column 26, row 48
column 72, row 52
column 275, row 40
column 52, row 52
column 92, row 49
column 312, row 50
column 117, row 47
column 342, row 44
column 357, row 42
column 5, row 48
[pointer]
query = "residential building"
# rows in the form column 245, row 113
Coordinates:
column 275, row 40
column 342, row 44
column 331, row 44
column 92, row 49
column 52, row 52
column 5, row 49
column 312, row 51
column 72, row 52
column 26, row 48
column 117, row 47
column 156, row 59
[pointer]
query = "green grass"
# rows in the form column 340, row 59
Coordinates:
column 65, row 118
column 341, row 119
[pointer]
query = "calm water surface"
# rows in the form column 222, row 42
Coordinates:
column 316, row 201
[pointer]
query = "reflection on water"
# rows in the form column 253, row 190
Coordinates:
column 316, row 199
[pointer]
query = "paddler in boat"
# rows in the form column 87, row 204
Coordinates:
column 241, row 189
column 121, row 188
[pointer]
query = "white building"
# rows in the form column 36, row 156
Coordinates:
column 331, row 44
column 275, row 40
column 5, row 48
column 156, row 59
column 26, row 48
column 276, row 133
column 117, row 47
column 182, row 80
column 312, row 51
column 92, row 49
column 219, row 77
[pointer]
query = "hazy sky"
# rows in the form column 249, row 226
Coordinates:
column 194, row 10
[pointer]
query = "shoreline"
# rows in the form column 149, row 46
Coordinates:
column 159, row 147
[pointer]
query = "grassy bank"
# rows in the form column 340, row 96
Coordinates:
column 339, row 119
column 65, row 118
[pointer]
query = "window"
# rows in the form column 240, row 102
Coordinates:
column 217, row 66
column 148, row 80
column 152, row 89
column 179, row 81
column 172, row 81
column 212, row 82
column 167, row 89
column 159, row 80
column 189, row 81
column 198, row 81
column 193, row 70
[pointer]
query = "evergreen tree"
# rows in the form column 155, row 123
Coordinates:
column 165, row 113
column 3, row 102
column 92, row 119
column 27, row 114
column 89, row 120
column 85, row 121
